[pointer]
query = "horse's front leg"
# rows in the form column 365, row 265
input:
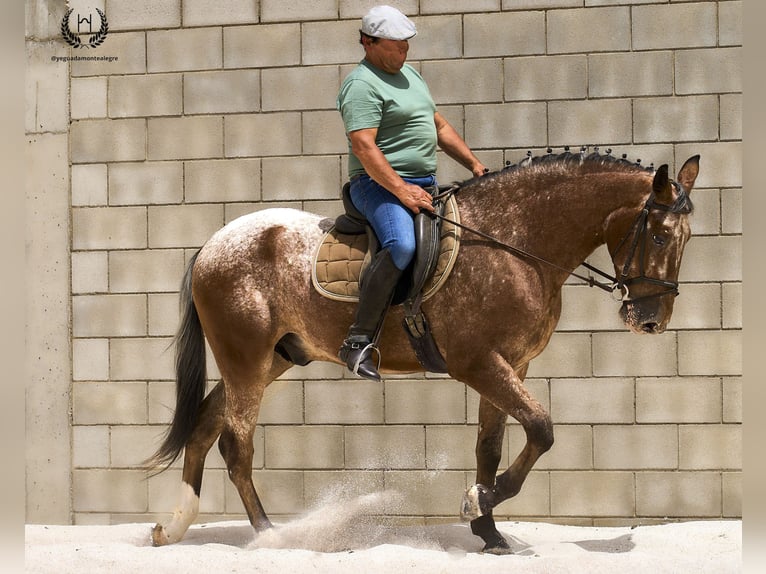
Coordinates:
column 503, row 393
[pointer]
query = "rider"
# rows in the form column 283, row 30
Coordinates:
column 393, row 130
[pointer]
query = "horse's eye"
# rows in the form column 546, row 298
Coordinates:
column 658, row 240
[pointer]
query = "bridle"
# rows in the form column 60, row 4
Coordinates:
column 638, row 230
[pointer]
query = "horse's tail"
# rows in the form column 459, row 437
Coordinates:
column 191, row 377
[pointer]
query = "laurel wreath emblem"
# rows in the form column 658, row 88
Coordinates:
column 74, row 40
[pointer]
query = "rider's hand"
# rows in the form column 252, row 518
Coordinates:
column 415, row 198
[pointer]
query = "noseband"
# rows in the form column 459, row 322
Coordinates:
column 639, row 231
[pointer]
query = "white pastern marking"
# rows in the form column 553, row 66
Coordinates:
column 184, row 514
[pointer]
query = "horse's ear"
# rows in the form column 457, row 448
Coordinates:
column 661, row 183
column 688, row 174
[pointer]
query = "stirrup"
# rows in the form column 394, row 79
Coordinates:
column 370, row 346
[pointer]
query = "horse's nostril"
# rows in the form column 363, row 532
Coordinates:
column 649, row 327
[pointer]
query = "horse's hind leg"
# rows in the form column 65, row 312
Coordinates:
column 208, row 428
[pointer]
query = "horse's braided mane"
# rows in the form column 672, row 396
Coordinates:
column 567, row 159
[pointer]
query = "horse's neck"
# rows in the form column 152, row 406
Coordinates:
column 560, row 218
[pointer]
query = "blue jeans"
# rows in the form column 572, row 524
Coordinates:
column 392, row 222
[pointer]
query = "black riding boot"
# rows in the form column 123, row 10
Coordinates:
column 375, row 294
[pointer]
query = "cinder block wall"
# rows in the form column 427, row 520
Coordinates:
column 216, row 109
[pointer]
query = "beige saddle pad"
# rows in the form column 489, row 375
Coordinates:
column 340, row 259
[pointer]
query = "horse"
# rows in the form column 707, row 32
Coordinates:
column 248, row 291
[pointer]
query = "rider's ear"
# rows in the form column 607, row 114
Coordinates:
column 688, row 174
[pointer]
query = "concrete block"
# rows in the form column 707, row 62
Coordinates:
column 710, row 447
column 432, row 493
column 678, row 400
column 627, row 354
column 90, row 272
column 281, row 492
column 713, row 70
column 494, row 34
column 228, row 91
column 572, row 30
column 129, row 49
column 131, row 445
column 163, row 314
column 534, row 4
column 731, row 117
column 599, row 493
column 328, row 487
column 90, row 359
column 732, row 305
column 675, row 119
column 89, row 185
column 108, row 228
column 262, row 46
column 592, row 401
column 572, row 449
column 184, row 49
column 311, row 446
column 331, row 42
column 323, row 133
column 689, row 25
column 439, row 37
column 451, row 447
column 730, row 24
column 635, row 447
column 88, row 97
column 188, row 137
column 145, row 95
column 546, row 78
column 276, row 10
column 146, row 183
column 344, row 402
column 424, row 402
column 307, row 177
column 90, row 446
column 732, row 494
column 595, row 121
column 506, row 125
column 161, row 399
column 586, row 309
column 710, row 353
column 720, row 164
column 450, row 6
column 464, row 81
column 731, row 211
column 183, row 225
column 282, row 404
column 682, row 494
column 709, row 258
column 699, row 308
column 109, row 315
column 93, row 141
column 263, row 134
column 109, row 403
column 141, row 359
column 567, row 354
column 146, row 271
column 385, row 447
column 304, row 88
column 630, row 74
column 222, row 180
column 706, row 219
column 732, row 399
column 109, row 491
column 144, row 14
column 212, row 12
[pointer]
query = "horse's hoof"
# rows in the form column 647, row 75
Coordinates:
column 477, row 501
column 498, row 547
column 159, row 537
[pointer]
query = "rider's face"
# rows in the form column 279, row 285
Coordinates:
column 388, row 55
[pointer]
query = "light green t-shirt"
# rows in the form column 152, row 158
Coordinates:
column 401, row 107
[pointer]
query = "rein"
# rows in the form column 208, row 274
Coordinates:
column 639, row 225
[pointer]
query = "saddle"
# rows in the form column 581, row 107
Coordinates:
column 348, row 246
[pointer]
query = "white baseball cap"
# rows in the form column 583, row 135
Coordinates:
column 388, row 23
